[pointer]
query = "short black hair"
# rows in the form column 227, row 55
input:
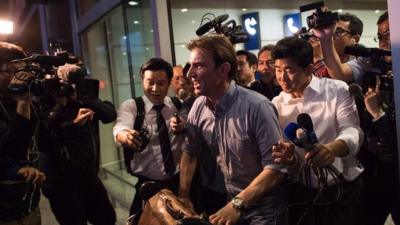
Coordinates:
column 250, row 57
column 382, row 18
column 156, row 64
column 356, row 26
column 269, row 47
column 295, row 48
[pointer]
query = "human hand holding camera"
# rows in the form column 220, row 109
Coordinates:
column 130, row 139
column 84, row 114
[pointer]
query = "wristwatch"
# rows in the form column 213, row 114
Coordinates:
column 237, row 203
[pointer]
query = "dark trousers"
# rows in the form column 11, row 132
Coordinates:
column 381, row 194
column 81, row 200
column 345, row 211
column 137, row 203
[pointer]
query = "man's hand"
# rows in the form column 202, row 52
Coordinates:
column 283, row 152
column 325, row 33
column 129, row 138
column 32, row 175
column 177, row 125
column 228, row 215
column 321, row 156
column 371, row 100
column 83, row 116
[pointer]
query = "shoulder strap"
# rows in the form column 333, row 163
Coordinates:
column 176, row 102
column 129, row 153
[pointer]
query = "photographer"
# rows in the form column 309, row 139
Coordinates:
column 376, row 108
column 19, row 194
column 68, row 146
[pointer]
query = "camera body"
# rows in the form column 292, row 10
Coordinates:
column 319, row 19
column 377, row 66
column 144, row 137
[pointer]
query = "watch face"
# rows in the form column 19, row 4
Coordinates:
column 237, row 202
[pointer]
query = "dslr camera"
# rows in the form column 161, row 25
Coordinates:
column 319, row 19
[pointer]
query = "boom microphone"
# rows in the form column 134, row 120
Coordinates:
column 44, row 60
column 209, row 25
column 358, row 50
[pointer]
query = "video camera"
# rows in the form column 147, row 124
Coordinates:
column 319, row 19
column 230, row 29
column 377, row 66
column 44, row 78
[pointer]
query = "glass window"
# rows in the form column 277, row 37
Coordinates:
column 140, row 38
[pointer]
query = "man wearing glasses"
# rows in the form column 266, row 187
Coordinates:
column 346, row 32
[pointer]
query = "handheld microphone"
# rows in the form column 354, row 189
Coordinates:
column 302, row 136
column 304, row 121
column 290, row 133
column 356, row 91
column 209, row 25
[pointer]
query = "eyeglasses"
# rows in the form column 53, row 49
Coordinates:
column 339, row 32
column 383, row 37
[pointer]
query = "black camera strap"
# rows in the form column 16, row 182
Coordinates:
column 138, row 124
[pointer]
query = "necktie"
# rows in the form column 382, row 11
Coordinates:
column 165, row 144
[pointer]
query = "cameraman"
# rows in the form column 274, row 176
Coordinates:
column 19, row 194
column 379, row 151
column 68, row 147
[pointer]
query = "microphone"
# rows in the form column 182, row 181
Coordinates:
column 302, row 137
column 358, row 50
column 304, row 121
column 290, row 133
column 207, row 26
column 43, row 60
column 356, row 91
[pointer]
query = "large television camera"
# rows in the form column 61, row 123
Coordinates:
column 377, row 66
column 230, row 29
column 43, row 78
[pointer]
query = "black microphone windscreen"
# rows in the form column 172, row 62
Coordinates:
column 204, row 28
column 359, row 50
column 304, row 120
column 48, row 60
column 356, row 91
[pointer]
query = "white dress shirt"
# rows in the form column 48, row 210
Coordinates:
column 149, row 162
column 334, row 115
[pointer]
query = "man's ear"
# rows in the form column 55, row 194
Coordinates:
column 356, row 38
column 225, row 68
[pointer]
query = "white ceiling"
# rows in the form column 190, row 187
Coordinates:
column 278, row 4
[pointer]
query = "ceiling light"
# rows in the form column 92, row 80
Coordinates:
column 6, row 27
column 377, row 11
column 136, row 22
column 244, row 9
column 133, row 3
column 184, row 10
column 340, row 10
